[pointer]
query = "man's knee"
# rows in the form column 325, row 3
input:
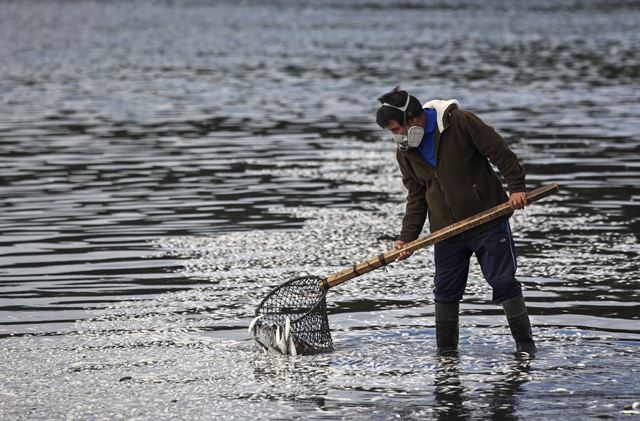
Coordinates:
column 449, row 285
column 505, row 289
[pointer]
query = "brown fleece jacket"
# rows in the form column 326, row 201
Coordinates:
column 463, row 182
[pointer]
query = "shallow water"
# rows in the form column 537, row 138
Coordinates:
column 164, row 166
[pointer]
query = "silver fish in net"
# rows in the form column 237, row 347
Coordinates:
column 293, row 320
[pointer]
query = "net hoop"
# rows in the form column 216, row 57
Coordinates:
column 288, row 284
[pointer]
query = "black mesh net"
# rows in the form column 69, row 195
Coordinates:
column 303, row 302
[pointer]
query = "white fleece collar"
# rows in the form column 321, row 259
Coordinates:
column 440, row 106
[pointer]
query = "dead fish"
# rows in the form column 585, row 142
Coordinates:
column 287, row 329
column 274, row 351
column 280, row 342
column 252, row 325
column 292, row 347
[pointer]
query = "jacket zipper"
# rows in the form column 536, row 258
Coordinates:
column 475, row 187
column 444, row 196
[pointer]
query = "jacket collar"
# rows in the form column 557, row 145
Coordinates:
column 443, row 108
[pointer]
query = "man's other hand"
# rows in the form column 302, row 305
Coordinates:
column 518, row 200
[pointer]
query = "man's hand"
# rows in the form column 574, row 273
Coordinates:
column 398, row 244
column 518, row 200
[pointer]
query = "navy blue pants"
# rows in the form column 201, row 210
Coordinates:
column 497, row 257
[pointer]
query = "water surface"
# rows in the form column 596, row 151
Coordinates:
column 165, row 165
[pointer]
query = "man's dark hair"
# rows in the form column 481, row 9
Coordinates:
column 397, row 98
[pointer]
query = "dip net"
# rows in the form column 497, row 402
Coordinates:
column 292, row 319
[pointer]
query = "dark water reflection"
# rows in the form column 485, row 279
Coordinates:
column 164, row 165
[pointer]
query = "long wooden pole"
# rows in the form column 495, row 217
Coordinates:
column 390, row 256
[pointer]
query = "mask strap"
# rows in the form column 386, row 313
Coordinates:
column 403, row 108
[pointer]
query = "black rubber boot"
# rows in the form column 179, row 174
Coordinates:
column 447, row 327
column 518, row 319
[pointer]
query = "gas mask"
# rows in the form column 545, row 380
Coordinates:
column 414, row 134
